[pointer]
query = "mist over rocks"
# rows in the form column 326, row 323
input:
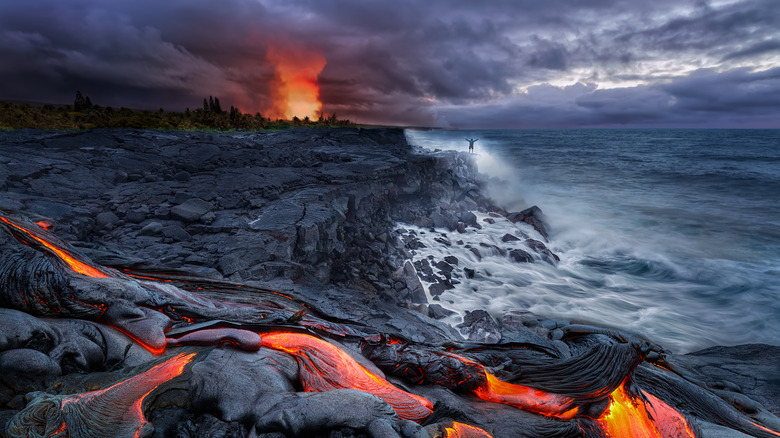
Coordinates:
column 312, row 213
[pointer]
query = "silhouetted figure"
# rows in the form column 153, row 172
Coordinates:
column 471, row 144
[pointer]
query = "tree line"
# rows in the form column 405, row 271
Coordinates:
column 84, row 114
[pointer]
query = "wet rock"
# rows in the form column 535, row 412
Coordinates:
column 521, row 256
column 191, row 210
column 452, row 260
column 468, row 218
column 479, row 326
column 509, row 238
column 416, row 290
column 436, row 289
column 469, row 272
column 444, row 267
column 532, row 216
column 436, row 311
column 491, row 250
column 539, row 247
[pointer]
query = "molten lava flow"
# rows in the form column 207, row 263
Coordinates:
column 116, row 411
column 75, row 265
column 631, row 417
column 461, row 430
column 324, row 367
column 526, row 398
column 297, row 91
column 766, row 429
column 46, row 225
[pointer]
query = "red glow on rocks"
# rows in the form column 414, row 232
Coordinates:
column 154, row 349
column 461, row 430
column 526, row 398
column 632, row 417
column 767, row 430
column 46, row 225
column 297, row 90
column 324, row 366
column 122, row 402
column 75, row 265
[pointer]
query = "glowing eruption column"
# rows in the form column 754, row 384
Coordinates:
column 297, row 92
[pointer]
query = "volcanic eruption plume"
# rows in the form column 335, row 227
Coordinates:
column 296, row 92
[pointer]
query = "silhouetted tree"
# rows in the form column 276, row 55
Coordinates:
column 205, row 105
column 80, row 103
column 217, row 107
column 211, row 104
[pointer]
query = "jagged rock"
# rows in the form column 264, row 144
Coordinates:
column 509, row 238
column 532, row 216
column 436, row 289
column 444, row 266
column 416, row 290
column 468, row 218
column 436, row 311
column 209, row 426
column 543, row 251
column 491, row 250
column 191, row 210
column 176, row 233
column 521, row 256
column 479, row 326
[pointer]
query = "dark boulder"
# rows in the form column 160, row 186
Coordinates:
column 532, row 216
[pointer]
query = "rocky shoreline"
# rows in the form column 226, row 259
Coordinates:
column 313, row 213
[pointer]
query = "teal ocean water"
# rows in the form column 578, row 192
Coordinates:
column 672, row 233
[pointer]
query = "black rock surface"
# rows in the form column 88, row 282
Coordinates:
column 310, row 214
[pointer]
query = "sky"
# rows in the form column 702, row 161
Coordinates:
column 438, row 63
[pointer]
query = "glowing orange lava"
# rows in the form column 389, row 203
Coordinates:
column 526, row 398
column 297, row 91
column 46, row 225
column 124, row 399
column 75, row 265
column 324, row 366
column 631, row 417
column 766, row 429
column 461, row 430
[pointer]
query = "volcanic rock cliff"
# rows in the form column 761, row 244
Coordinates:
column 282, row 248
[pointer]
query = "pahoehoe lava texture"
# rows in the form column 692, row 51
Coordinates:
column 94, row 351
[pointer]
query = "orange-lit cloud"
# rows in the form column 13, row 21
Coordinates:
column 296, row 91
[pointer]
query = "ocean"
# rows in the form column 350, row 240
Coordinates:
column 674, row 234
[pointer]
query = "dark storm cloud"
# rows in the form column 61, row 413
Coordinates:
column 407, row 62
column 705, row 99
